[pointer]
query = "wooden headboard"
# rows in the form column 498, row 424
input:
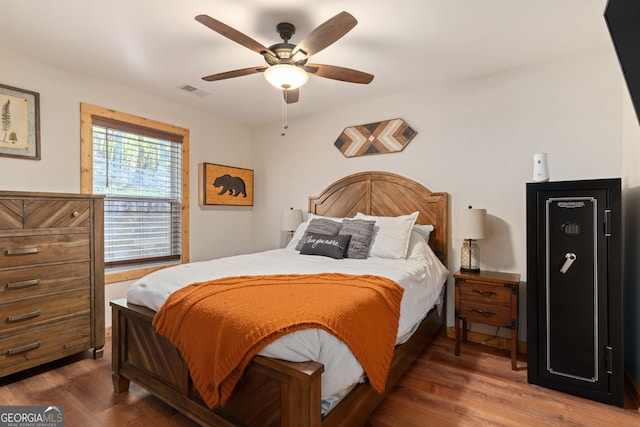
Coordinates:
column 386, row 194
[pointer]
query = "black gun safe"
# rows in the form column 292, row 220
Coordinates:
column 574, row 288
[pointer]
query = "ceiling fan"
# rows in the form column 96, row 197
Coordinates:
column 287, row 67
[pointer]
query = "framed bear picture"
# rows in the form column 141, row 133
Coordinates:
column 225, row 185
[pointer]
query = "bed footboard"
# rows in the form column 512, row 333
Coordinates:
column 271, row 392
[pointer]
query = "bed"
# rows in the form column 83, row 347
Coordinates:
column 275, row 392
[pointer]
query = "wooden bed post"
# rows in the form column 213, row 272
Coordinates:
column 120, row 384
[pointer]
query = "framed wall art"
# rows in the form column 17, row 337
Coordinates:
column 19, row 123
column 388, row 136
column 225, row 185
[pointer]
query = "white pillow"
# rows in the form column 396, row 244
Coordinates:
column 311, row 216
column 424, row 230
column 297, row 235
column 390, row 235
column 418, row 246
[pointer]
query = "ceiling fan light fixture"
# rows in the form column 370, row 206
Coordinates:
column 286, row 76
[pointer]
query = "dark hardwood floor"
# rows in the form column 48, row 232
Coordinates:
column 478, row 388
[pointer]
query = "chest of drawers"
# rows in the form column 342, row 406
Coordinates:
column 51, row 277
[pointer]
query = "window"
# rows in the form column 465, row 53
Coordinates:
column 139, row 165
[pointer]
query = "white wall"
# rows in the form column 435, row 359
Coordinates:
column 216, row 231
column 476, row 140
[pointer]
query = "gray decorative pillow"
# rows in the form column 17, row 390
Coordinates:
column 333, row 246
column 319, row 226
column 361, row 232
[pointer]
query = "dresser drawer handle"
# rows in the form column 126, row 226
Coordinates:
column 484, row 313
column 75, row 214
column 25, row 251
column 23, row 316
column 484, row 293
column 23, row 284
column 24, row 348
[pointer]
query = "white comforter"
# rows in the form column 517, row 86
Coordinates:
column 421, row 275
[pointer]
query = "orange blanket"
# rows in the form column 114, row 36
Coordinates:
column 219, row 326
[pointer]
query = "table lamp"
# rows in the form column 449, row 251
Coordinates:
column 290, row 220
column 471, row 225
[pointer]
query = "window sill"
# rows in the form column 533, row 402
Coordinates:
column 114, row 275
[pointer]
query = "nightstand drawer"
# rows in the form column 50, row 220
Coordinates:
column 485, row 313
column 490, row 294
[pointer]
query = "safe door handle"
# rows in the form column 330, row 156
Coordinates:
column 570, row 257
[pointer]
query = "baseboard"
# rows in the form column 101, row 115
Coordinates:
column 633, row 390
column 490, row 340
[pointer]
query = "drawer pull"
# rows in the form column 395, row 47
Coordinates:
column 484, row 293
column 25, row 251
column 24, row 348
column 484, row 313
column 23, row 316
column 23, row 284
column 75, row 214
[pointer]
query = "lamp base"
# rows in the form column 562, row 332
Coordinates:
column 469, row 270
column 470, row 256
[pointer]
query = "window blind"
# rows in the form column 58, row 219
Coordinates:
column 140, row 175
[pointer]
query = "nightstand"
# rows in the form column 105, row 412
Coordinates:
column 487, row 297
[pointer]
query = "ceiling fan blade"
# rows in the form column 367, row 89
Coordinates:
column 234, row 35
column 341, row 73
column 291, row 95
column 326, row 34
column 234, row 73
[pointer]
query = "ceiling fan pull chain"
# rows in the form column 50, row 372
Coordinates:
column 284, row 118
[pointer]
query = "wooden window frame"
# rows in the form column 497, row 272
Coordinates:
column 87, row 112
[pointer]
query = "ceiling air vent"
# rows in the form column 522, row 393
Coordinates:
column 193, row 90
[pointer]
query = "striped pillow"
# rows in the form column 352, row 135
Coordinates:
column 361, row 232
column 319, row 226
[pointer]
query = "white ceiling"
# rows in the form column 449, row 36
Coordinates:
column 156, row 46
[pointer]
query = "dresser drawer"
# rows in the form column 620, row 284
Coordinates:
column 32, row 281
column 39, row 345
column 490, row 294
column 16, row 214
column 10, row 214
column 28, row 250
column 30, row 312
column 56, row 213
column 484, row 313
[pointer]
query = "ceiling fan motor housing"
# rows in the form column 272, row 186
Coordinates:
column 283, row 50
column 286, row 30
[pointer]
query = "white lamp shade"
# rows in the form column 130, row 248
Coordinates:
column 291, row 218
column 286, row 76
column 471, row 224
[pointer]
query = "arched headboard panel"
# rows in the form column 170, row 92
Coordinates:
column 386, row 194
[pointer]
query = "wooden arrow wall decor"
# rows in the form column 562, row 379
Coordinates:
column 388, row 136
